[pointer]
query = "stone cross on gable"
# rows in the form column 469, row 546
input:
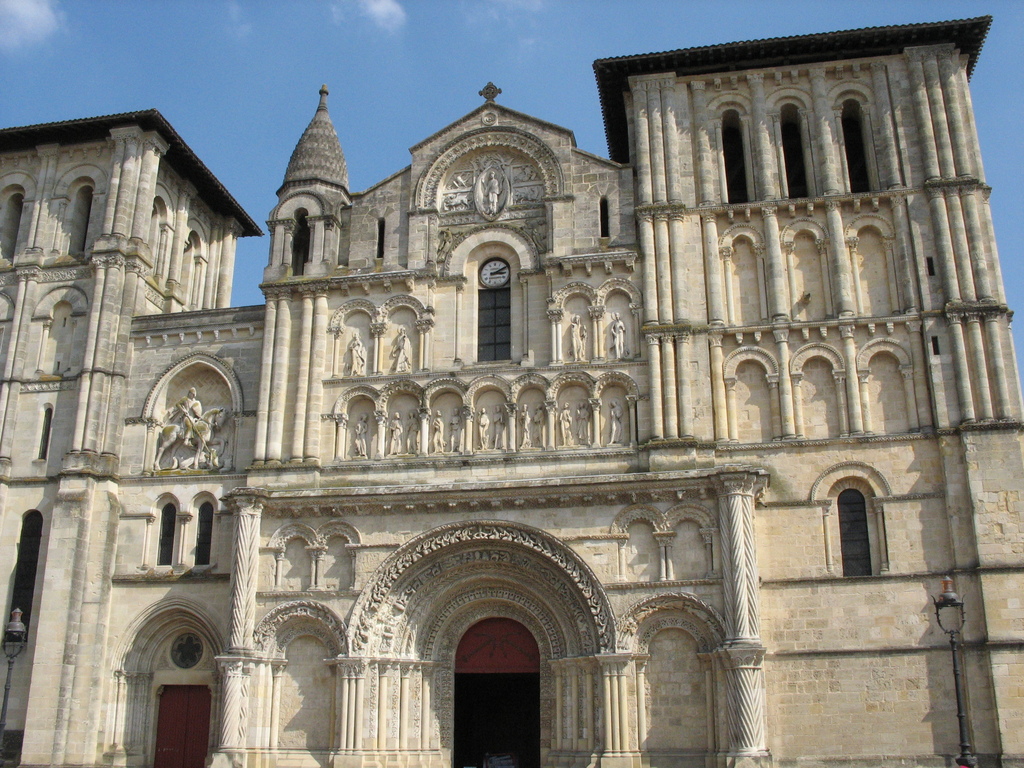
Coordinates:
column 490, row 91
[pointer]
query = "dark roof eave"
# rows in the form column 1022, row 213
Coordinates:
column 612, row 74
column 179, row 155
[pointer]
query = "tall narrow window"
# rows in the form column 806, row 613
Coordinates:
column 168, row 522
column 24, row 590
column 44, row 433
column 300, row 243
column 853, row 533
column 204, row 536
column 62, row 337
column 13, row 207
column 80, row 215
column 735, row 158
column 494, row 311
column 856, row 155
column 793, row 151
column 380, row 238
column 603, row 220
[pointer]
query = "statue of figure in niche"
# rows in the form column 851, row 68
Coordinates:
column 361, row 430
column 483, row 428
column 400, row 352
column 617, row 336
column 357, row 356
column 490, row 193
column 437, row 428
column 413, row 434
column 577, row 339
column 455, row 431
column 397, row 431
column 565, row 422
column 582, row 423
column 498, row 441
column 525, row 427
column 190, row 437
column 615, row 423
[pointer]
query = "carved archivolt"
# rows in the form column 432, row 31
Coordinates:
column 613, row 379
column 816, row 349
column 875, row 346
column 741, row 355
column 146, row 635
column 618, row 285
column 737, row 231
column 74, row 296
column 314, row 538
column 528, row 381
column 858, row 469
column 485, row 383
column 682, row 610
column 802, row 226
column 373, row 312
column 285, row 622
column 490, row 138
column 420, row 560
column 198, row 359
column 566, row 292
column 638, row 512
column 571, row 378
column 355, row 393
column 699, row 515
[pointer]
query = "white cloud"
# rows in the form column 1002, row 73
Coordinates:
column 386, row 14
column 239, row 27
column 26, row 22
column 520, row 5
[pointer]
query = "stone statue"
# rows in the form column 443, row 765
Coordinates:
column 617, row 336
column 582, row 424
column 498, row 442
column 190, row 437
column 357, row 356
column 615, row 423
column 483, row 428
column 526, row 427
column 455, row 431
column 577, row 339
column 565, row 422
column 538, row 424
column 413, row 432
column 361, row 430
column 397, row 431
column 400, row 352
column 437, row 428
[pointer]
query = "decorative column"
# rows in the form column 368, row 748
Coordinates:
column 960, row 135
column 595, row 422
column 742, row 655
column 555, row 321
column 423, row 328
column 670, row 402
column 279, row 379
column 978, row 244
column 596, row 314
column 823, row 132
column 153, row 147
column 765, row 187
column 852, row 389
column 301, row 381
column 785, row 383
column 839, row 259
column 725, row 270
column 705, row 158
column 961, row 368
column 682, row 343
column 381, row 417
column 919, row 96
column 718, row 398
column 907, row 373
column 924, row 411
column 778, row 301
column 826, row 535
column 961, row 250
column 889, row 170
column 858, row 289
column 713, row 269
column 377, row 334
column 654, row 358
column 649, row 254
column 937, row 106
column 979, row 365
column 315, row 399
column 550, row 411
column 994, row 336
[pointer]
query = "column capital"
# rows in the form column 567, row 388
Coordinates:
column 755, row 77
column 741, row 656
column 769, row 211
column 697, row 85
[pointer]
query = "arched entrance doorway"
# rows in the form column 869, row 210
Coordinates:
column 497, row 697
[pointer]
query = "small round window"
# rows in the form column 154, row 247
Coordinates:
column 187, row 650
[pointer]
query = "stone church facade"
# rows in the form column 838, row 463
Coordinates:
column 653, row 460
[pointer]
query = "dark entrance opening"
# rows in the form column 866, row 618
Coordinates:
column 183, row 727
column 497, row 696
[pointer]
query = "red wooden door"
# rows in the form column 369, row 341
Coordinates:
column 183, row 727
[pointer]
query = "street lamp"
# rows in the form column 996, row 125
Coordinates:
column 949, row 611
column 15, row 636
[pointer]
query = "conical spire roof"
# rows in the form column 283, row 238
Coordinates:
column 318, row 155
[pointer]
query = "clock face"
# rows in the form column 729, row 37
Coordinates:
column 495, row 273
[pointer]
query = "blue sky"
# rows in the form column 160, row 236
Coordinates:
column 239, row 80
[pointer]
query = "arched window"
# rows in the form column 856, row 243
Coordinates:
column 853, row 533
column 380, row 238
column 793, row 151
column 603, row 220
column 734, row 158
column 856, row 154
column 194, row 254
column 44, row 433
column 13, row 207
column 300, row 243
column 204, row 535
column 157, row 238
column 494, row 311
column 168, row 522
column 62, row 335
column 23, row 593
column 81, row 212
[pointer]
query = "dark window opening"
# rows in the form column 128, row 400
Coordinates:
column 168, row 522
column 929, row 263
column 44, row 435
column 935, row 345
column 856, row 153
column 24, row 589
column 793, row 152
column 380, row 238
column 853, row 533
column 204, row 536
column 300, row 243
column 494, row 332
column 735, row 159
column 603, row 218
column 11, row 224
column 80, row 220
